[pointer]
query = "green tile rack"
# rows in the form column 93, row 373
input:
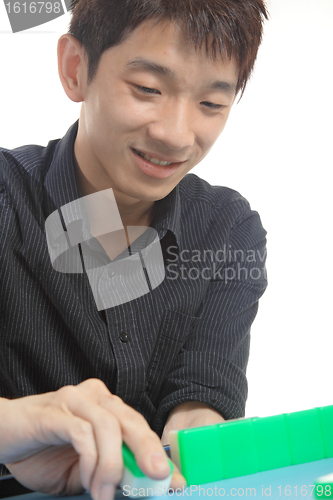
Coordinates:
column 246, row 446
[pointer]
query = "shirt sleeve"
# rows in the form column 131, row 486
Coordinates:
column 7, row 388
column 211, row 366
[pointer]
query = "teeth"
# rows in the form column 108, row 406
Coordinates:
column 154, row 160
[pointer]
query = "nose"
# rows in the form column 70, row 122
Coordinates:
column 173, row 126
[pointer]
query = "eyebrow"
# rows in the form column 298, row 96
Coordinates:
column 226, row 87
column 142, row 64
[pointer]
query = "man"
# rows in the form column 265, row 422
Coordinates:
column 157, row 81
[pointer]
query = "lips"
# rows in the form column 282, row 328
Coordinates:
column 151, row 169
column 153, row 159
column 155, row 156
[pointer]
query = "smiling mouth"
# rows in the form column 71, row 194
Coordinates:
column 153, row 160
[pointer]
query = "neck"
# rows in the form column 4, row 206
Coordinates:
column 132, row 212
column 137, row 213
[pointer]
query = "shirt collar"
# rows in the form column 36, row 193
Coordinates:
column 61, row 184
column 60, row 181
column 167, row 215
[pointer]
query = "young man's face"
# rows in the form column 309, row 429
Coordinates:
column 153, row 95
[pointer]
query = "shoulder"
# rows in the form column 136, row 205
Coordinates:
column 22, row 171
column 30, row 160
column 194, row 189
column 218, row 213
column 214, row 203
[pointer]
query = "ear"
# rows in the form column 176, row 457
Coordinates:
column 72, row 67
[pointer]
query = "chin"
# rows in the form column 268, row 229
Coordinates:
column 156, row 196
column 151, row 194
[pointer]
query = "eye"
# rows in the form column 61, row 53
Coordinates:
column 211, row 105
column 146, row 90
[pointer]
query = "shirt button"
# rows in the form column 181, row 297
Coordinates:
column 124, row 337
column 111, row 273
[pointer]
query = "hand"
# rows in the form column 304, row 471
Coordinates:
column 70, row 440
column 190, row 414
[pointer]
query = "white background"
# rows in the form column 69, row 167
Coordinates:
column 276, row 151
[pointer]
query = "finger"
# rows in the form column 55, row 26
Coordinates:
column 177, row 481
column 74, row 481
column 58, row 428
column 108, row 439
column 94, row 388
column 144, row 443
column 136, row 433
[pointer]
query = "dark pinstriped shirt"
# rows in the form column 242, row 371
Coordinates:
column 186, row 340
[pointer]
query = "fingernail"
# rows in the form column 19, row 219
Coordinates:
column 159, row 462
column 106, row 492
